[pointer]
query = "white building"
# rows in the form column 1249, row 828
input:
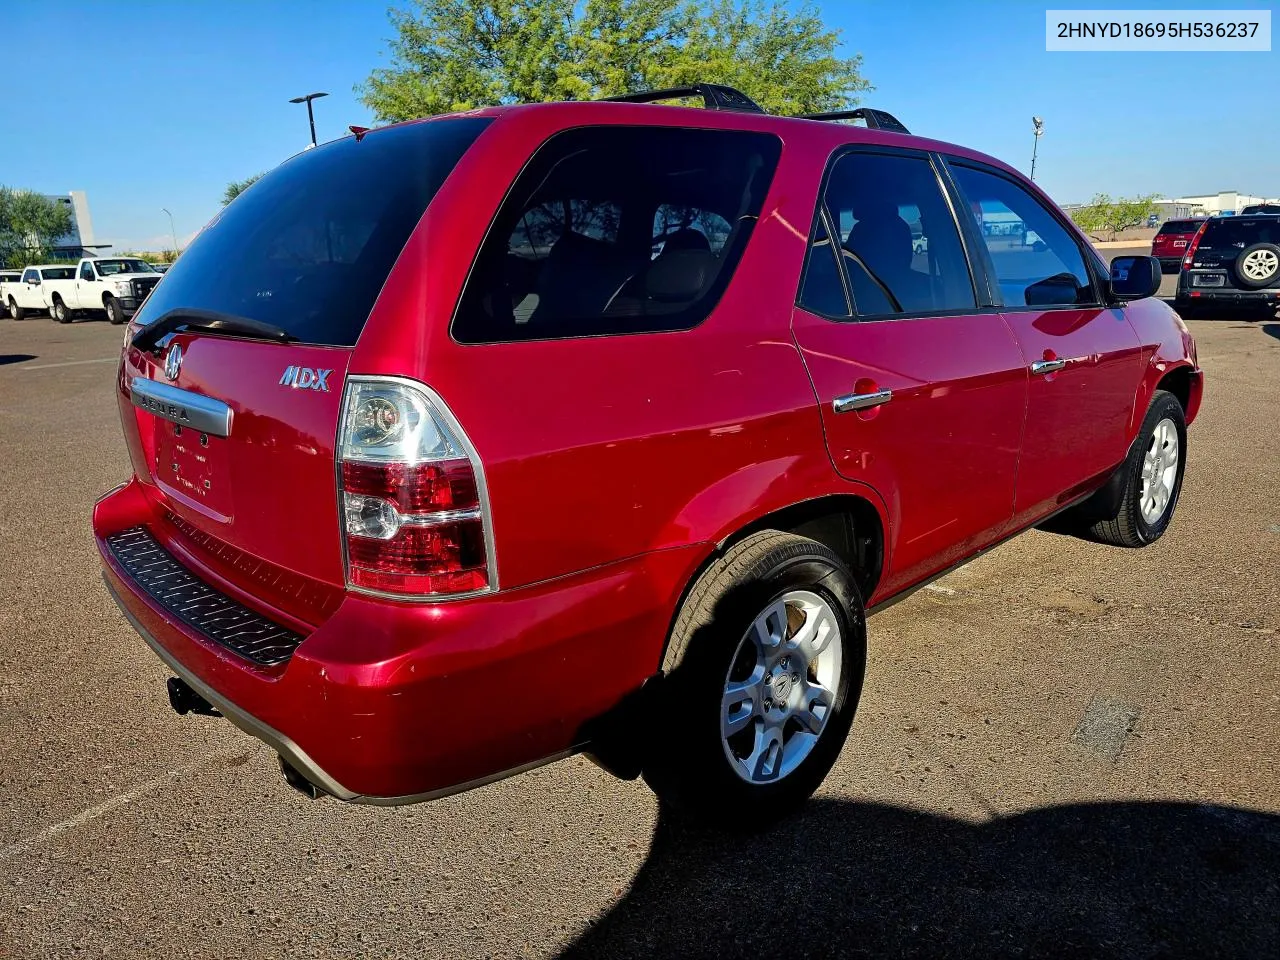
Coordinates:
column 1224, row 203
column 79, row 241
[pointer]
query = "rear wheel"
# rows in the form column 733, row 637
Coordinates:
column 762, row 679
column 112, row 306
column 16, row 311
column 1152, row 480
column 59, row 311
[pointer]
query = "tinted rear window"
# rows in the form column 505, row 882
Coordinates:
column 615, row 229
column 59, row 273
column 1180, row 226
column 1226, row 232
column 309, row 246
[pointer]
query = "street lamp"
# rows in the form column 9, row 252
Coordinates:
column 1038, row 125
column 172, row 231
column 310, row 116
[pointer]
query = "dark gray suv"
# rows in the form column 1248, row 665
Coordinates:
column 1232, row 262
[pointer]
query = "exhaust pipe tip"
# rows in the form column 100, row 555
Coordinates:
column 295, row 779
column 184, row 700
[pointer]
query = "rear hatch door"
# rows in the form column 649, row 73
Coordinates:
column 233, row 424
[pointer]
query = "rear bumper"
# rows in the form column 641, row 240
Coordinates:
column 389, row 702
column 1224, row 295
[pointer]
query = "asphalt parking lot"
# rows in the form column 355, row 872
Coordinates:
column 1063, row 750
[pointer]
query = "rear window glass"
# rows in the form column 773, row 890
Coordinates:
column 616, row 229
column 59, row 273
column 1180, row 226
column 309, row 246
column 1226, row 232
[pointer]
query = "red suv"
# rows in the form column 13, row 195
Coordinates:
column 1170, row 242
column 468, row 443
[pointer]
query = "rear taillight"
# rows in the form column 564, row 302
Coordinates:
column 1191, row 247
column 415, row 513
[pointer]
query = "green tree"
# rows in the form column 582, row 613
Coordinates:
column 237, row 187
column 29, row 224
column 1102, row 214
column 452, row 55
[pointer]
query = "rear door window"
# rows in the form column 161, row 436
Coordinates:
column 615, row 229
column 897, row 239
column 1037, row 262
column 309, row 246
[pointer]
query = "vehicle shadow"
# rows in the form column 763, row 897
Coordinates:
column 848, row 879
column 6, row 358
column 1271, row 330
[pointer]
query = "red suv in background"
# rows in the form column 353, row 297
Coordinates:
column 1171, row 240
column 464, row 444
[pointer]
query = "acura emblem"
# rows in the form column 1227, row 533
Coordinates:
column 173, row 362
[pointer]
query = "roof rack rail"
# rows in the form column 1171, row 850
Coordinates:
column 714, row 96
column 874, row 119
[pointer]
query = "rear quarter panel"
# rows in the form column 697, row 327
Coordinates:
column 597, row 449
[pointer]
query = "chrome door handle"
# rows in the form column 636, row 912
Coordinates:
column 860, row 401
column 1047, row 366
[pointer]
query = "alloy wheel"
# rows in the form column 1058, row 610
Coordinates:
column 1159, row 471
column 1260, row 265
column 781, row 687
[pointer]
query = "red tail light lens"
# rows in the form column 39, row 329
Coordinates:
column 1191, row 247
column 414, row 506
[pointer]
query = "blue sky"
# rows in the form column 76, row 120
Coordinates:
column 187, row 96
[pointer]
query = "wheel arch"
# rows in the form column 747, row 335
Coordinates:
column 1186, row 385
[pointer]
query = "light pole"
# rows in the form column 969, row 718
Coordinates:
column 310, row 116
column 173, row 232
column 1038, row 125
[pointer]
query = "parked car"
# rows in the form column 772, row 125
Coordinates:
column 8, row 277
column 1256, row 208
column 440, row 471
column 28, row 294
column 161, row 267
column 1232, row 263
column 1170, row 242
column 115, row 286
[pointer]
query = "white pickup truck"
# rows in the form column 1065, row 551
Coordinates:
column 115, row 286
column 26, row 294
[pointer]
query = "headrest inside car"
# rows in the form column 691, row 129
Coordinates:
column 680, row 276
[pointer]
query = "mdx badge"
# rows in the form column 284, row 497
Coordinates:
column 306, row 378
column 173, row 362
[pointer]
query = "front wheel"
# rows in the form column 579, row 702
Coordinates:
column 762, row 678
column 114, row 313
column 1152, row 477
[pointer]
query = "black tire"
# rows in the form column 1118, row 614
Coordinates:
column 1126, row 527
column 114, row 314
column 59, row 311
column 1257, row 283
column 15, row 311
column 693, row 774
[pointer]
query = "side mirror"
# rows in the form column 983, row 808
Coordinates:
column 1133, row 278
column 34, row 281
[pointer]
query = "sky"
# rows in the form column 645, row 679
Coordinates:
column 184, row 97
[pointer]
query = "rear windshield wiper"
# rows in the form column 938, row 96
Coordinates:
column 212, row 320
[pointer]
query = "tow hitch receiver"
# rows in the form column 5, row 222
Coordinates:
column 184, row 700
